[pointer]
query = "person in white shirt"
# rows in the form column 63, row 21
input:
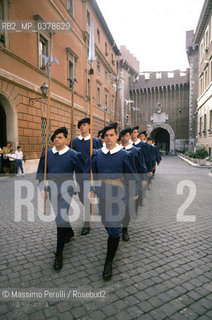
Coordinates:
column 12, row 159
column 19, row 158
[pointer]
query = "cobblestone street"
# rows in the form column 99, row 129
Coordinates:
column 163, row 272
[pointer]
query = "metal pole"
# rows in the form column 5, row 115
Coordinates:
column 47, row 120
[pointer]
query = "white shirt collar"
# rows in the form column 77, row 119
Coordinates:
column 136, row 142
column 85, row 138
column 129, row 146
column 114, row 150
column 54, row 150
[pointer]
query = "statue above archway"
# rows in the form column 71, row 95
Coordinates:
column 158, row 107
column 158, row 116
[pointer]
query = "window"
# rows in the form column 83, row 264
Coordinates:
column 98, row 35
column 158, row 75
column 70, row 6
column 1, row 10
column 43, row 50
column 147, row 76
column 200, row 125
column 70, row 72
column 106, row 53
column 205, row 124
column 2, row 36
column 43, row 132
column 71, row 66
column 206, row 77
column 211, row 28
column 201, row 85
column 106, row 75
column 88, row 18
column 106, row 99
column 206, row 40
column 98, row 97
column 211, row 70
column 88, row 89
column 170, row 74
column 98, row 66
column 201, row 50
column 210, row 128
column 112, row 61
column 112, row 104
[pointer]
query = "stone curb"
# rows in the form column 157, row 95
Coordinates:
column 192, row 163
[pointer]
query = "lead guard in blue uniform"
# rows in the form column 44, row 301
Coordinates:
column 112, row 165
column 62, row 162
column 138, row 158
column 82, row 144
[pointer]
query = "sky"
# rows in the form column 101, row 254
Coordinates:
column 154, row 31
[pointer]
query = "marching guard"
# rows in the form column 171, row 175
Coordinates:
column 82, row 144
column 112, row 165
column 62, row 162
column 155, row 154
column 143, row 146
column 138, row 157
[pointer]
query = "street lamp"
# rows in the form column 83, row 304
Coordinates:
column 44, row 92
column 128, row 102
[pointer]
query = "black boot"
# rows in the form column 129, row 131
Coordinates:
column 61, row 236
column 69, row 235
column 107, row 273
column 112, row 245
column 58, row 262
column 86, row 229
column 125, row 236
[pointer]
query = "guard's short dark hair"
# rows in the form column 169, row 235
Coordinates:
column 113, row 125
column 125, row 131
column 143, row 132
column 84, row 120
column 18, row 147
column 135, row 128
column 99, row 133
column 63, row 130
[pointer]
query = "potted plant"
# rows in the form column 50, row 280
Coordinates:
column 43, row 68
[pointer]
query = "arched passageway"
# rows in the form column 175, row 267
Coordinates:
column 162, row 138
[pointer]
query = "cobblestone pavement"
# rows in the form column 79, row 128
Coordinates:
column 163, row 272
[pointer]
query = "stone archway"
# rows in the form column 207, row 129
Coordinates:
column 8, row 118
column 168, row 134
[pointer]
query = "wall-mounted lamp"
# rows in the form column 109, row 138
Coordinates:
column 44, row 92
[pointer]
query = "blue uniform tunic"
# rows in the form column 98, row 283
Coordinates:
column 154, row 155
column 83, row 145
column 158, row 155
column 138, row 157
column 146, row 151
column 141, row 169
column 60, row 167
column 117, row 165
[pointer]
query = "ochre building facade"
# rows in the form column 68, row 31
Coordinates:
column 23, row 72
